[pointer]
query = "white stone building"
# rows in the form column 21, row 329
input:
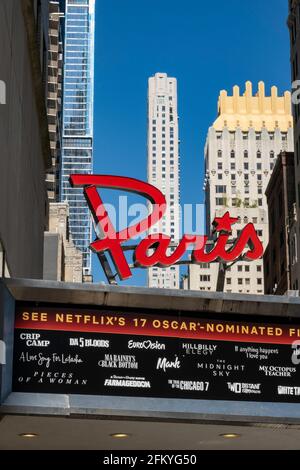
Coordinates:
column 163, row 165
column 240, row 152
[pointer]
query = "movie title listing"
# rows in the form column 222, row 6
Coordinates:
column 126, row 355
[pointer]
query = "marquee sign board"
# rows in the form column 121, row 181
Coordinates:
column 153, row 354
column 153, row 249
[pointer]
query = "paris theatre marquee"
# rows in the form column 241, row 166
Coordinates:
column 154, row 354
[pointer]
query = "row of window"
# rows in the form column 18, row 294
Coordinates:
column 235, row 190
column 246, row 154
column 258, row 135
column 246, row 268
column 246, row 165
column 220, row 176
column 247, row 281
column 223, row 201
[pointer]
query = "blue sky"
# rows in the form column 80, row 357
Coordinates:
column 207, row 46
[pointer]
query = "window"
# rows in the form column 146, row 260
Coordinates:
column 247, row 269
column 220, row 176
column 258, row 136
column 220, row 201
column 259, row 280
column 220, row 153
column 245, row 153
column 220, row 165
column 271, row 154
column 260, row 202
column 228, row 280
column 204, row 278
column 240, row 268
column 221, row 189
column 232, row 166
column 258, row 269
column 258, row 154
column 246, row 176
column 258, row 166
column 246, row 166
column 240, row 281
column 247, row 281
column 232, row 154
column 258, row 177
column 232, row 177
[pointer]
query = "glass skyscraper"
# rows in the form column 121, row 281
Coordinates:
column 78, row 101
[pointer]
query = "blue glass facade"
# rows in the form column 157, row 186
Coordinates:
column 78, row 97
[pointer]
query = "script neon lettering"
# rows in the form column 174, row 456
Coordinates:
column 153, row 250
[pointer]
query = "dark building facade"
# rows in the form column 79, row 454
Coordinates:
column 293, row 23
column 281, row 196
column 24, row 139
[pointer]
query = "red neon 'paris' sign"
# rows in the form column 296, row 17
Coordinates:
column 159, row 243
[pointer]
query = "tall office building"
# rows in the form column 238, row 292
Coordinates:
column 240, row 153
column 78, row 97
column 163, row 165
column 294, row 27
